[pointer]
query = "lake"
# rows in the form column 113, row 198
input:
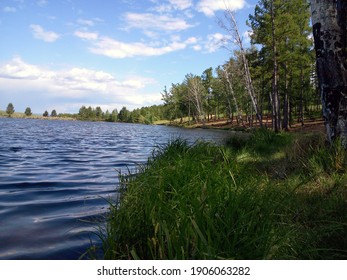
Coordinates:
column 56, row 177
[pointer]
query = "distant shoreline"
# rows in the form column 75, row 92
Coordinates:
column 39, row 118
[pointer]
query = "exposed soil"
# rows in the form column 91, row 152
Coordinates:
column 316, row 125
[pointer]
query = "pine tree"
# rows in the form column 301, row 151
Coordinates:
column 28, row 112
column 10, row 109
column 282, row 28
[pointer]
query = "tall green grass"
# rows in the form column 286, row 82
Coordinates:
column 259, row 197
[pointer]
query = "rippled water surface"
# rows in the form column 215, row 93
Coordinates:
column 55, row 176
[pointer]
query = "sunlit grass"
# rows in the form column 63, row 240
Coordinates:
column 269, row 196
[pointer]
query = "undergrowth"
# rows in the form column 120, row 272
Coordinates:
column 268, row 196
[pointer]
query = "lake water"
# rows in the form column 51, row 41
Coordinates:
column 55, row 177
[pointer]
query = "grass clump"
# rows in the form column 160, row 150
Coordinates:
column 204, row 201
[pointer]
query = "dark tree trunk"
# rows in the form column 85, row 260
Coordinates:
column 276, row 116
column 302, row 115
column 285, row 124
column 329, row 30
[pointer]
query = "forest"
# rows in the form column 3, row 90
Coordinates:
column 270, row 81
column 289, row 70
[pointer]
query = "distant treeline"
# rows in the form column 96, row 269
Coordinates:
column 144, row 115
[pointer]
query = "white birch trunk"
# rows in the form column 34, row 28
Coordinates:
column 195, row 88
column 231, row 89
column 234, row 32
column 329, row 30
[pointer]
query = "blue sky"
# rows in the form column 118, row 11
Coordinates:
column 62, row 54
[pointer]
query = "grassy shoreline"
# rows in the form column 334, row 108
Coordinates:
column 17, row 115
column 272, row 196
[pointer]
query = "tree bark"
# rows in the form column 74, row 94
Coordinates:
column 329, row 29
column 238, row 112
column 195, row 93
column 285, row 124
column 301, row 111
column 276, row 112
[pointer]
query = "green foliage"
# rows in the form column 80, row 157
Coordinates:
column 28, row 112
column 10, row 109
column 98, row 113
column 260, row 142
column 67, row 116
column 290, row 47
column 266, row 141
column 203, row 201
column 54, row 113
column 329, row 159
column 145, row 115
column 190, row 206
column 87, row 114
column 123, row 115
column 45, row 114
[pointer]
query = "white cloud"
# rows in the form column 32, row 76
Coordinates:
column 41, row 34
column 197, row 48
column 86, row 22
column 137, row 82
column 209, row 7
column 73, row 83
column 42, row 3
column 151, row 34
column 215, row 41
column 66, row 90
column 246, row 36
column 85, row 79
column 175, row 38
column 171, row 5
column 106, row 46
column 191, row 40
column 151, row 21
column 181, row 4
column 137, row 101
column 9, row 9
column 17, row 69
column 117, row 49
column 87, row 35
column 163, row 8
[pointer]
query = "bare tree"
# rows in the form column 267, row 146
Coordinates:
column 329, row 20
column 230, row 25
column 228, row 76
column 195, row 93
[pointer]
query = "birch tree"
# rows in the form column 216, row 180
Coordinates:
column 196, row 94
column 230, row 25
column 329, row 20
column 227, row 74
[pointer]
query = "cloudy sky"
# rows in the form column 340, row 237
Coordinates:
column 62, row 54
